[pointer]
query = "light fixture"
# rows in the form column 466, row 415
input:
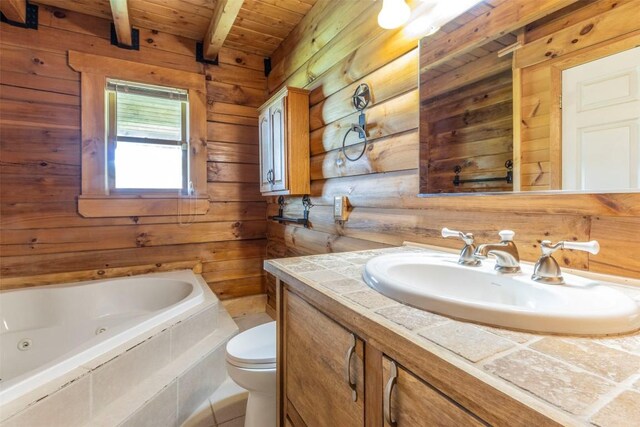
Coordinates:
column 393, row 14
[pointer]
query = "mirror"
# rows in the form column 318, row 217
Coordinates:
column 498, row 118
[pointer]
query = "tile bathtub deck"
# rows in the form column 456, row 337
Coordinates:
column 595, row 381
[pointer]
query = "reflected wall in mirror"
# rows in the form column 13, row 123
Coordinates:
column 551, row 104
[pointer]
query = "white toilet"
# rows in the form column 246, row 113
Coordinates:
column 251, row 363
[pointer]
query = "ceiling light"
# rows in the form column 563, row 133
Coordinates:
column 393, row 14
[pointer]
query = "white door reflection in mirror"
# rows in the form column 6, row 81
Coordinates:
column 600, row 124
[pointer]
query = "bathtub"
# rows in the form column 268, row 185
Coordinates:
column 47, row 331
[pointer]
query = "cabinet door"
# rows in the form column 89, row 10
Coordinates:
column 411, row 402
column 266, row 150
column 278, row 126
column 316, row 359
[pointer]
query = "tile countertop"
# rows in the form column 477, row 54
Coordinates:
column 592, row 381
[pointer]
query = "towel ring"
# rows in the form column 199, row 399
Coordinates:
column 360, row 130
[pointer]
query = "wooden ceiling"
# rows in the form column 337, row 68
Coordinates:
column 259, row 26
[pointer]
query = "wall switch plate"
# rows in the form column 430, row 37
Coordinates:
column 340, row 208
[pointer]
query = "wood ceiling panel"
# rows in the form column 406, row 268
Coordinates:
column 266, row 19
column 253, row 36
column 259, row 28
column 297, row 6
column 189, row 6
column 266, row 9
column 261, row 25
column 145, row 14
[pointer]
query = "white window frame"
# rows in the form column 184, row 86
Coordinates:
column 112, row 140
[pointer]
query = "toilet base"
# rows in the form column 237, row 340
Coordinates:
column 261, row 410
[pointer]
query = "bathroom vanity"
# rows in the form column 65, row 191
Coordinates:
column 349, row 356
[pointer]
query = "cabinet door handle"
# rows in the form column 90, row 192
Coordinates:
column 347, row 370
column 388, row 391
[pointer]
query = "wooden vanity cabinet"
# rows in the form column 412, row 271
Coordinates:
column 283, row 128
column 408, row 401
column 317, row 355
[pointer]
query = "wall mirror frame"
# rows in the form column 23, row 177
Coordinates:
column 530, row 50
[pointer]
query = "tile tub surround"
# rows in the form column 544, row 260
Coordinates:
column 159, row 381
column 225, row 407
column 574, row 380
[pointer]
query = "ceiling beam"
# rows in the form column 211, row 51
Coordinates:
column 14, row 10
column 120, row 13
column 224, row 15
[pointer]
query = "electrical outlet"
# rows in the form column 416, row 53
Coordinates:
column 340, row 208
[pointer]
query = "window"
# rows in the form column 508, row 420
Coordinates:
column 147, row 137
column 144, row 138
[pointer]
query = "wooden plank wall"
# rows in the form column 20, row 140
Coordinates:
column 44, row 240
column 334, row 57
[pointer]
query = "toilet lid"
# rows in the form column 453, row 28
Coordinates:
column 254, row 346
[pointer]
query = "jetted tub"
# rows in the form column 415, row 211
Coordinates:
column 47, row 331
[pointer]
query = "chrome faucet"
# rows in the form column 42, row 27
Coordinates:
column 547, row 269
column 505, row 252
column 466, row 254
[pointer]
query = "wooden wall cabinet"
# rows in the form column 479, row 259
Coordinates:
column 283, row 125
column 322, row 363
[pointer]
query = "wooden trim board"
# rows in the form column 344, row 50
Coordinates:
column 95, row 200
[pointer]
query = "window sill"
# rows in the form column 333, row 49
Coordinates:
column 140, row 205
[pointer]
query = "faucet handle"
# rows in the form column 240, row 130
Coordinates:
column 593, row 247
column 467, row 238
column 547, row 269
column 506, row 235
column 466, row 254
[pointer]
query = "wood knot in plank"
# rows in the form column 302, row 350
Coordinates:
column 605, row 200
column 142, row 240
column 586, row 29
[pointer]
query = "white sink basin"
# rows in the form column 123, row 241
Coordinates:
column 437, row 283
